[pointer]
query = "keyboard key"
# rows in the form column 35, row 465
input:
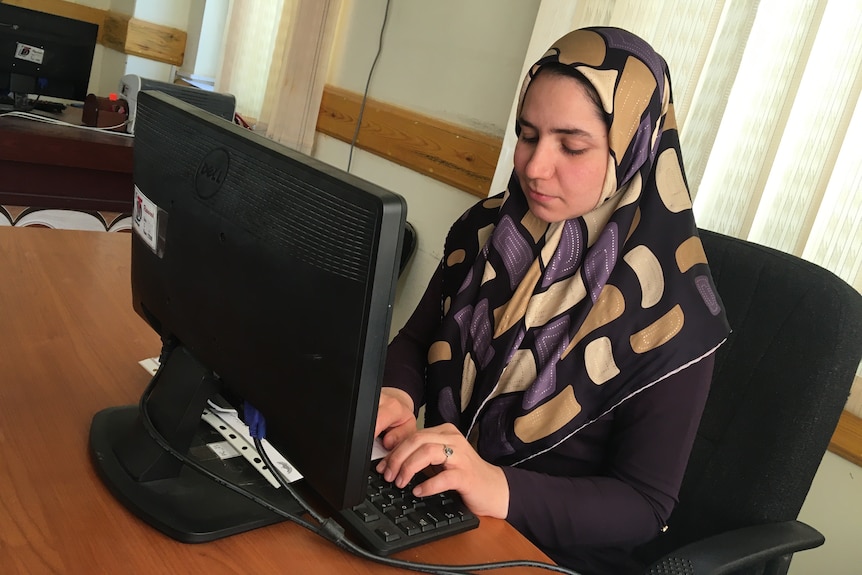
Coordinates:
column 409, row 527
column 366, row 513
column 388, row 535
column 437, row 518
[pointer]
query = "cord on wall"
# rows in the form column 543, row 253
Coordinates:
column 367, row 84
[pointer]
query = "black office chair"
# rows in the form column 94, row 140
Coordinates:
column 781, row 381
column 408, row 248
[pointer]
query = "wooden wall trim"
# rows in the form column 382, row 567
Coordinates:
column 139, row 38
column 452, row 154
column 119, row 31
column 847, row 440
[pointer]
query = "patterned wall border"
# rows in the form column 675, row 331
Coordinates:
column 97, row 221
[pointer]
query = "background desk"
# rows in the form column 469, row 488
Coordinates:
column 69, row 346
column 61, row 167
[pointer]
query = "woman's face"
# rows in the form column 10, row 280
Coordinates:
column 562, row 152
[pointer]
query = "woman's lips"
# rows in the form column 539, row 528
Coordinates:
column 538, row 196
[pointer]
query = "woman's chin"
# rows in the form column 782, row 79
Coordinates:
column 543, row 211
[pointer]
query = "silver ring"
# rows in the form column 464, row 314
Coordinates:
column 447, row 451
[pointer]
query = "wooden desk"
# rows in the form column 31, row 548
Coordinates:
column 69, row 346
column 52, row 166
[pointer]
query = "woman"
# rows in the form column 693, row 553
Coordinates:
column 564, row 348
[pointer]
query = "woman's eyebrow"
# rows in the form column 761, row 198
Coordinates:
column 565, row 131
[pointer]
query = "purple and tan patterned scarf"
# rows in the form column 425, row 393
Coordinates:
column 546, row 327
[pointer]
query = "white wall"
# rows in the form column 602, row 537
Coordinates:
column 206, row 24
column 450, row 59
column 455, row 60
column 833, row 507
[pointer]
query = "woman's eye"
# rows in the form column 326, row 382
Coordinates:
column 530, row 139
column 573, row 152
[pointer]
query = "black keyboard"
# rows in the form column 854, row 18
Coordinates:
column 51, row 107
column 7, row 104
column 392, row 519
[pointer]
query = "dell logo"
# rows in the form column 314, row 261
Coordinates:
column 211, row 173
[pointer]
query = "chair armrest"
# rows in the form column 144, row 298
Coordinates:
column 733, row 550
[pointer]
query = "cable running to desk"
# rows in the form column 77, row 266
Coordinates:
column 327, row 528
column 334, row 532
column 47, row 120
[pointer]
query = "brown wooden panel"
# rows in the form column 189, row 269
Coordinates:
column 154, row 42
column 114, row 31
column 847, row 440
column 452, row 154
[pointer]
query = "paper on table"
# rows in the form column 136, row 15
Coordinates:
column 236, row 433
column 151, row 364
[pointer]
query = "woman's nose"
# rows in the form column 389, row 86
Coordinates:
column 539, row 167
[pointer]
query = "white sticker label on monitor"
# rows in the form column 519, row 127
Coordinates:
column 29, row 53
column 145, row 220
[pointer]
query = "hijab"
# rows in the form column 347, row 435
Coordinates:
column 547, row 327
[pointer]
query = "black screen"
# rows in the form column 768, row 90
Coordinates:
column 45, row 54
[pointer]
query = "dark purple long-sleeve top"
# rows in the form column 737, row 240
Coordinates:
column 609, row 487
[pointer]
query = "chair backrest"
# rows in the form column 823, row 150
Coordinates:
column 780, row 383
column 411, row 241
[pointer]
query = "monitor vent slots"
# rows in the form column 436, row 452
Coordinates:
column 345, row 224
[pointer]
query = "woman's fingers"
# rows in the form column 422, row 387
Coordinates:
column 394, row 409
column 482, row 486
column 395, row 435
column 417, row 451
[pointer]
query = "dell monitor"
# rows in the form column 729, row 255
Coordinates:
column 44, row 55
column 270, row 278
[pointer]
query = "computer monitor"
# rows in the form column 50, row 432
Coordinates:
column 44, row 54
column 220, row 104
column 270, row 277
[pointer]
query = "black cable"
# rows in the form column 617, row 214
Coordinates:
column 367, row 84
column 284, row 483
column 327, row 528
column 163, row 443
column 335, row 533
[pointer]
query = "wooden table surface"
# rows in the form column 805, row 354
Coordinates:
column 69, row 347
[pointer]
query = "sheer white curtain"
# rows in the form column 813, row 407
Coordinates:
column 767, row 95
column 274, row 60
column 249, row 51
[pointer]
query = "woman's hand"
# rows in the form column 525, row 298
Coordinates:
column 395, row 419
column 482, row 486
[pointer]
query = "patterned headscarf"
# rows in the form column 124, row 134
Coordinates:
column 546, row 327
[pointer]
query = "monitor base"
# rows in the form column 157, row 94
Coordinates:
column 191, row 507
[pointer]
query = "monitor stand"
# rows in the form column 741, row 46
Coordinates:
column 18, row 102
column 20, row 87
column 156, row 486
column 7, row 104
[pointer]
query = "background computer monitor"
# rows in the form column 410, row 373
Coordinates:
column 277, row 273
column 44, row 54
column 218, row 103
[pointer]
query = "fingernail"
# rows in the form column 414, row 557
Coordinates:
column 418, row 491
